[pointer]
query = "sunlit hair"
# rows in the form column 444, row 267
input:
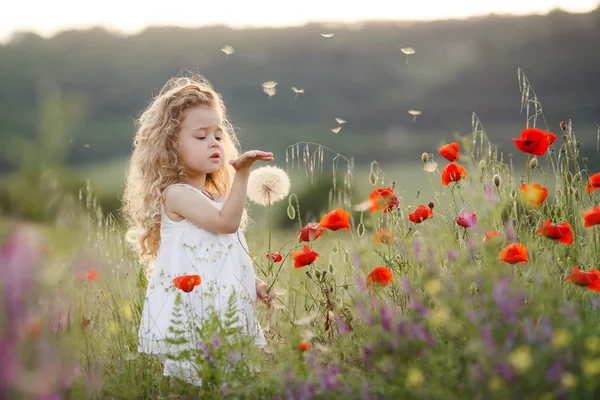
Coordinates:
column 155, row 162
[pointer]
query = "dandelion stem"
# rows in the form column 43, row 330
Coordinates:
column 270, row 229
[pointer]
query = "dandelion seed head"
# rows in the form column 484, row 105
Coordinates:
column 228, row 50
column 430, row 166
column 269, row 84
column 268, row 184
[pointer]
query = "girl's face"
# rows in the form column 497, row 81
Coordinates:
column 201, row 138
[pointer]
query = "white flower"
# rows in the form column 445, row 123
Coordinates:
column 268, row 184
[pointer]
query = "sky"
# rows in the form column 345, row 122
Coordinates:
column 131, row 16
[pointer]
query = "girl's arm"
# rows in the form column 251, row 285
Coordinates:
column 197, row 209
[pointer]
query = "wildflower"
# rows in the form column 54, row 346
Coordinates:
column 384, row 238
column 304, row 257
column 568, row 380
column 268, row 185
column 561, row 232
column 561, row 339
column 433, row 287
column 589, row 279
column 495, row 383
column 491, row 235
column 304, row 346
column 591, row 368
column 187, row 283
column 521, row 359
column 90, row 275
column 563, row 126
column 466, row 219
column 533, row 163
column 336, row 219
column 513, row 254
column 450, row 152
column 127, row 310
column 430, row 166
column 534, row 194
column 310, row 232
column 453, row 173
column 439, row 317
column 276, row 257
column 380, row 275
column 592, row 343
column 420, row 214
column 414, row 377
column 534, row 141
column 593, row 183
column 383, row 199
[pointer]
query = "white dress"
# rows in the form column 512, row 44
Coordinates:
column 224, row 266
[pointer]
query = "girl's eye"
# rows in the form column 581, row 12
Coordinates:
column 201, row 138
column 219, row 138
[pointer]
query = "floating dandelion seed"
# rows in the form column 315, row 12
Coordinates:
column 268, row 185
column 408, row 51
column 336, row 130
column 340, row 121
column 269, row 84
column 327, row 35
column 414, row 114
column 297, row 91
column 228, row 50
column 270, row 91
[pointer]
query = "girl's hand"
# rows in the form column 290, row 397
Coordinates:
column 246, row 160
column 261, row 292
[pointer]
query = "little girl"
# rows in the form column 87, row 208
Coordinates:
column 184, row 202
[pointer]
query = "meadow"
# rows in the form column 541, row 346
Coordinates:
column 430, row 282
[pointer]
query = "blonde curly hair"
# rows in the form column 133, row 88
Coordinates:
column 155, row 162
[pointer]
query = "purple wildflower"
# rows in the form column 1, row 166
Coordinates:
column 225, row 389
column 343, row 328
column 356, row 263
column 215, row 340
column 418, row 248
column 386, row 317
column 207, row 354
column 487, row 338
column 452, row 255
column 510, row 231
column 555, row 371
column 504, row 371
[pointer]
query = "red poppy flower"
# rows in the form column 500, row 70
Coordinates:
column 453, row 173
column 589, row 279
column 385, row 238
column 383, row 199
column 593, row 183
column 450, row 152
column 533, row 141
column 275, row 256
column 551, row 137
column 592, row 217
column 187, row 283
column 420, row 214
column 304, row 257
column 466, row 219
column 491, row 234
column 513, row 254
column 561, row 232
column 304, row 346
column 336, row 219
column 310, row 232
column 90, row 275
column 380, row 275
column 534, row 194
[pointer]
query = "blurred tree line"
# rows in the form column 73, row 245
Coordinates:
column 360, row 74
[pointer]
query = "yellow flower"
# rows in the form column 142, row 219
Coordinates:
column 112, row 327
column 439, row 317
column 414, row 377
column 561, row 339
column 495, row 383
column 592, row 343
column 591, row 368
column 433, row 287
column 568, row 380
column 521, row 358
column 127, row 311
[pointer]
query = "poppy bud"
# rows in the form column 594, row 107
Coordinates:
column 569, row 177
column 578, row 145
column 308, row 274
column 324, row 273
column 577, row 177
column 318, row 275
column 563, row 151
column 585, row 160
column 497, row 180
column 563, row 126
column 331, row 268
column 482, row 165
column 576, row 195
column 430, row 205
column 533, row 163
column 513, row 194
column 424, row 157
